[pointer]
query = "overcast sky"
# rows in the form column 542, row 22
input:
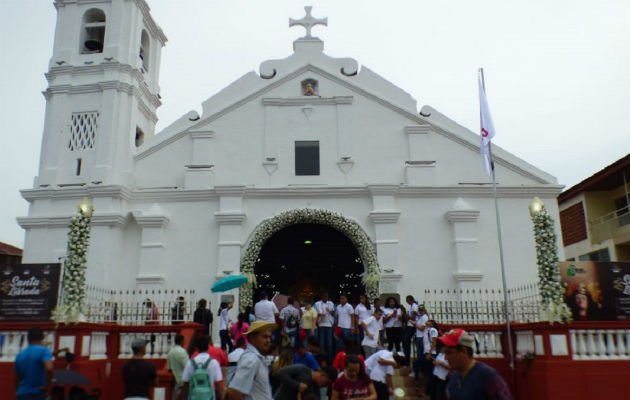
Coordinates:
column 557, row 72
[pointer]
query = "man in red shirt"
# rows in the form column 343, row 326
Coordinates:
column 215, row 353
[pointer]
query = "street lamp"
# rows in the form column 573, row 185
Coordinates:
column 536, row 207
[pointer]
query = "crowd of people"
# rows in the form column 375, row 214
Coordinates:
column 317, row 350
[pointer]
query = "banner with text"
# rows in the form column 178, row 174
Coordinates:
column 597, row 291
column 28, row 292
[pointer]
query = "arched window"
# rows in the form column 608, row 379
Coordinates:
column 93, row 31
column 145, row 50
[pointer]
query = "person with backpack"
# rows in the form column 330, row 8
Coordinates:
column 290, row 321
column 202, row 377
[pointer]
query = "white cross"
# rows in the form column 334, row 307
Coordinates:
column 308, row 21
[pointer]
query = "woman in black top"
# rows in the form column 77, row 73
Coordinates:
column 203, row 316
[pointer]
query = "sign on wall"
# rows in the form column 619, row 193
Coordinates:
column 28, row 292
column 597, row 291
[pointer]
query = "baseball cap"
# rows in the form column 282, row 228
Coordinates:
column 138, row 343
column 456, row 337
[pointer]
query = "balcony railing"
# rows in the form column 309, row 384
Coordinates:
column 613, row 224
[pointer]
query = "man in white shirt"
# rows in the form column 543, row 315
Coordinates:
column 371, row 327
column 265, row 310
column 290, row 321
column 409, row 330
column 234, row 356
column 421, row 322
column 325, row 320
column 214, row 370
column 380, row 367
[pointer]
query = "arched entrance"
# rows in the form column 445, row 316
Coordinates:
column 345, row 226
column 305, row 260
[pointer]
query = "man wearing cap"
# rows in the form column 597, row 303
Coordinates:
column 138, row 374
column 472, row 379
column 251, row 378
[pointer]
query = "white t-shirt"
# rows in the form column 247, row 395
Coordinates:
column 224, row 321
column 235, row 355
column 421, row 321
column 324, row 308
column 285, row 313
column 214, row 370
column 372, row 325
column 393, row 322
column 378, row 372
column 266, row 310
column 362, row 313
column 344, row 316
column 413, row 309
column 440, row 371
column 429, row 334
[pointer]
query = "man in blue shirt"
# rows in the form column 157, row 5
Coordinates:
column 304, row 357
column 33, row 368
column 471, row 379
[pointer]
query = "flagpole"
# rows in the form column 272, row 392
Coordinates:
column 506, row 307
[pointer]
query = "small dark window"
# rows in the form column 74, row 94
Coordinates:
column 139, row 137
column 307, row 157
column 599, row 255
column 79, row 162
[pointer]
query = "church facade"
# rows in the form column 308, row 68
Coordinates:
column 307, row 140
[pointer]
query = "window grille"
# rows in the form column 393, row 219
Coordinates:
column 83, row 127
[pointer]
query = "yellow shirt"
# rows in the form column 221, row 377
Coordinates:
column 309, row 319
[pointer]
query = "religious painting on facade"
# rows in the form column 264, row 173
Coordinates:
column 28, row 292
column 597, row 290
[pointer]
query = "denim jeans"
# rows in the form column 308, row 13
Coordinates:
column 326, row 340
column 408, row 335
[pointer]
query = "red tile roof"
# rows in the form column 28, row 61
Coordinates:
column 8, row 250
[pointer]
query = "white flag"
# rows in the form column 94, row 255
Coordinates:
column 487, row 127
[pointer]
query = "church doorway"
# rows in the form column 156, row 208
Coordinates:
column 304, row 260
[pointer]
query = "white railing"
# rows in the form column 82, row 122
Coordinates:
column 600, row 344
column 158, row 343
column 488, row 344
column 483, row 306
column 98, row 345
column 608, row 226
column 12, row 342
column 131, row 307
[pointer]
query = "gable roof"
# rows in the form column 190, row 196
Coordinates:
column 9, row 250
column 608, row 178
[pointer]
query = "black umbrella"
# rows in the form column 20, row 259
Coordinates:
column 69, row 377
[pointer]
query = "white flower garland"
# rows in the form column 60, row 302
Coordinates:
column 551, row 291
column 349, row 228
column 75, row 264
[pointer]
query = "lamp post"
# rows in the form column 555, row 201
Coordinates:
column 551, row 290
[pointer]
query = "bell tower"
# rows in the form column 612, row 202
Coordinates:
column 103, row 92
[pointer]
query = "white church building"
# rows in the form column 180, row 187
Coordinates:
column 308, row 173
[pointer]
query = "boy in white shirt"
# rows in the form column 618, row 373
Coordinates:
column 371, row 327
column 214, row 369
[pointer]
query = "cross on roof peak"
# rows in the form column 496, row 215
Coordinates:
column 308, row 21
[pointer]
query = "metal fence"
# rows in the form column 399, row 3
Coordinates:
column 139, row 307
column 483, row 306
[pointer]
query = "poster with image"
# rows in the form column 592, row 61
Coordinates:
column 28, row 292
column 597, row 291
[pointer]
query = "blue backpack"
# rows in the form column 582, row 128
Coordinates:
column 200, row 383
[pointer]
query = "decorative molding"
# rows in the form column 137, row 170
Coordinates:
column 230, row 190
column 201, row 134
column 306, row 100
column 152, row 245
column 151, row 221
column 455, row 216
column 345, row 165
column 230, row 218
column 111, row 219
column 468, row 276
column 417, row 129
column 384, row 217
column 228, row 243
column 383, row 189
column 150, row 280
column 465, row 240
column 419, row 164
column 387, row 241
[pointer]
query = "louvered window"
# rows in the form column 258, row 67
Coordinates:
column 83, row 127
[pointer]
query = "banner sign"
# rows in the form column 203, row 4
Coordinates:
column 28, row 292
column 597, row 291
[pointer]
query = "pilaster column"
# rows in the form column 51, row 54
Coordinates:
column 150, row 270
column 384, row 216
column 230, row 218
column 465, row 242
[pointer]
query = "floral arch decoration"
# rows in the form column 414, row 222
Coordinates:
column 348, row 227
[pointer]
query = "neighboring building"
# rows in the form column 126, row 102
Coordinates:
column 9, row 255
column 594, row 215
column 183, row 207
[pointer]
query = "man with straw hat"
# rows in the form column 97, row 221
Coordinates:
column 251, row 377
